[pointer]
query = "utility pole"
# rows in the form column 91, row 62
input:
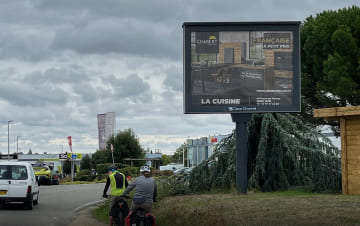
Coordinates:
column 9, row 139
column 17, row 144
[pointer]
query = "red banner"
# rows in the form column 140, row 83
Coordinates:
column 70, row 143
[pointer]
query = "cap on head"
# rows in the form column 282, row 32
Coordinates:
column 112, row 168
column 144, row 169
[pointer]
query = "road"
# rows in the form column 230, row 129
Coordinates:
column 58, row 205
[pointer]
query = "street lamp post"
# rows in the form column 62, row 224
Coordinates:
column 9, row 139
column 17, row 144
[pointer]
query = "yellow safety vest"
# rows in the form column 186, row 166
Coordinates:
column 116, row 191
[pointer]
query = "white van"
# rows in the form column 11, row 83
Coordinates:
column 18, row 183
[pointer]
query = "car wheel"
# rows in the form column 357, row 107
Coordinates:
column 36, row 202
column 29, row 204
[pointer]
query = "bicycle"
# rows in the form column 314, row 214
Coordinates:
column 140, row 217
column 119, row 210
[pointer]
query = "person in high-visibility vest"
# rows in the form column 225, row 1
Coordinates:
column 118, row 184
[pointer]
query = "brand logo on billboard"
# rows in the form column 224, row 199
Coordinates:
column 207, row 42
column 275, row 40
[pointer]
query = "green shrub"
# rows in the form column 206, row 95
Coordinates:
column 158, row 173
column 103, row 167
column 101, row 176
column 121, row 165
column 130, row 171
column 84, row 175
column 84, row 172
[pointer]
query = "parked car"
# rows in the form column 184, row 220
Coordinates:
column 18, row 183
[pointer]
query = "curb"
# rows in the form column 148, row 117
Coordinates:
column 86, row 205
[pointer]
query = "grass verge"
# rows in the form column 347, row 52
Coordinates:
column 256, row 208
column 102, row 212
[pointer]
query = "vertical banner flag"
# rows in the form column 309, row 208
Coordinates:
column 70, row 144
column 112, row 148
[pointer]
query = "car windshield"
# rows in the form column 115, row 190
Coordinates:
column 11, row 172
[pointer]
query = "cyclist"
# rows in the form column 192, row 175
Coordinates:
column 145, row 191
column 118, row 184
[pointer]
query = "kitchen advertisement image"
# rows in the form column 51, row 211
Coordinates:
column 241, row 67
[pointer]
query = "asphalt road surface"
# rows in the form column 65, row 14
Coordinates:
column 58, row 205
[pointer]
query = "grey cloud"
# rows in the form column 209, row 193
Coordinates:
column 154, row 10
column 86, row 91
column 174, row 79
column 20, row 45
column 132, row 87
column 24, row 95
column 119, row 36
column 71, row 74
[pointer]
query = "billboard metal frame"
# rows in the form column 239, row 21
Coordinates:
column 267, row 27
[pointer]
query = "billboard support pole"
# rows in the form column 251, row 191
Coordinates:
column 241, row 121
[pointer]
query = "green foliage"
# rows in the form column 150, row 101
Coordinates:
column 67, row 167
column 103, row 168
column 330, row 61
column 130, row 171
column 158, row 173
column 86, row 162
column 102, row 176
column 178, row 155
column 165, row 159
column 283, row 152
column 100, row 157
column 287, row 152
column 84, row 175
column 121, row 165
column 126, row 145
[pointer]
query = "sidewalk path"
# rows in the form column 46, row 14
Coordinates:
column 84, row 217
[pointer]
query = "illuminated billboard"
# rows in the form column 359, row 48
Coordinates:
column 241, row 67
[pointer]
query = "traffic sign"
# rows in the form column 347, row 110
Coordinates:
column 74, row 156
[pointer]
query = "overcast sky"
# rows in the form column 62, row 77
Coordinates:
column 64, row 62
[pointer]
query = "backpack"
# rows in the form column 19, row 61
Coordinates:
column 123, row 207
column 133, row 219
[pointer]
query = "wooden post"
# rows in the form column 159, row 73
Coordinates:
column 344, row 171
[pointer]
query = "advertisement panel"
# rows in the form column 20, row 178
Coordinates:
column 241, row 67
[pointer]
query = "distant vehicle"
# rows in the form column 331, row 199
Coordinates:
column 182, row 171
column 18, row 184
column 43, row 173
column 167, row 167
